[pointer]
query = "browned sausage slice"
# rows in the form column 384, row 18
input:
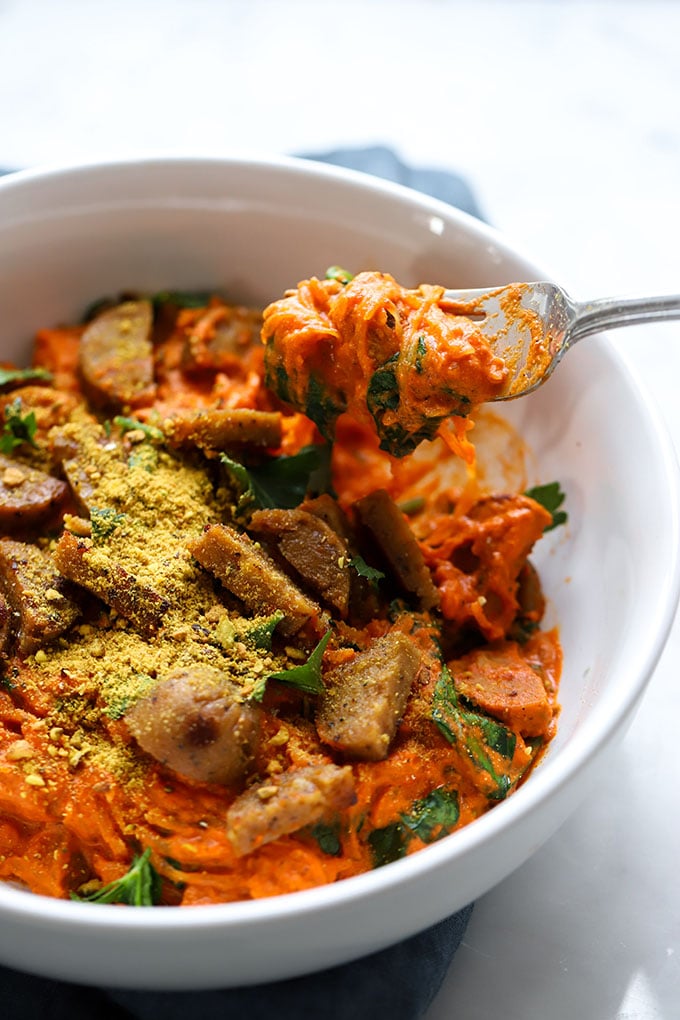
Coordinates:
column 366, row 697
column 38, row 595
column 112, row 583
column 193, row 722
column 236, row 331
column 500, row 682
column 116, row 356
column 252, row 577
column 286, row 803
column 219, row 429
column 27, row 495
column 383, row 519
column 312, row 548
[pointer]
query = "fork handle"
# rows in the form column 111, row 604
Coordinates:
column 610, row 313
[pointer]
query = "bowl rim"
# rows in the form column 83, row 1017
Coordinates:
column 545, row 780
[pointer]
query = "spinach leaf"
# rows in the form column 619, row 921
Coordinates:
column 18, row 428
column 328, row 837
column 421, row 351
column 281, row 482
column 434, row 816
column 383, row 396
column 476, row 734
column 551, row 497
column 430, row 819
column 387, row 844
column 323, row 409
column 139, row 887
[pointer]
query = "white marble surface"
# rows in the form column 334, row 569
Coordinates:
column 565, row 117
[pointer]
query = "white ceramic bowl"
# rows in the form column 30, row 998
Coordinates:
column 254, row 228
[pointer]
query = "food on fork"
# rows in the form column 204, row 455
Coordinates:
column 247, row 647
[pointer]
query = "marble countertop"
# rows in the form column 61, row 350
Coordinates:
column 564, row 117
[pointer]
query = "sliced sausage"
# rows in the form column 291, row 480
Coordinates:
column 500, row 682
column 388, row 527
column 110, row 582
column 235, row 330
column 194, row 722
column 312, row 548
column 365, row 698
column 286, row 803
column 116, row 356
column 254, row 578
column 27, row 495
column 41, row 600
column 219, row 429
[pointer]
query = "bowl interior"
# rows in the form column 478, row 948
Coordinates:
column 252, row 228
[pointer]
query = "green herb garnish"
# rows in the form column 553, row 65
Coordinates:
column 306, row 677
column 282, row 482
column 132, row 425
column 412, row 506
column 255, row 633
column 259, row 633
column 18, row 428
column 551, row 497
column 364, row 570
column 139, row 887
column 12, row 376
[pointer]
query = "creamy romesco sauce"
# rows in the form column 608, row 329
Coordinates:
column 248, row 647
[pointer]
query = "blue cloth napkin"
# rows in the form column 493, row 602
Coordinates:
column 398, row 983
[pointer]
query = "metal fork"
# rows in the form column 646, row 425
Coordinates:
column 531, row 326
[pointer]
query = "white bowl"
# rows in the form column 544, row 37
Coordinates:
column 254, row 227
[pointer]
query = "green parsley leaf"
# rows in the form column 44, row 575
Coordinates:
column 306, row 677
column 10, row 377
column 18, row 428
column 139, row 887
column 260, row 631
column 551, row 497
column 256, row 633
